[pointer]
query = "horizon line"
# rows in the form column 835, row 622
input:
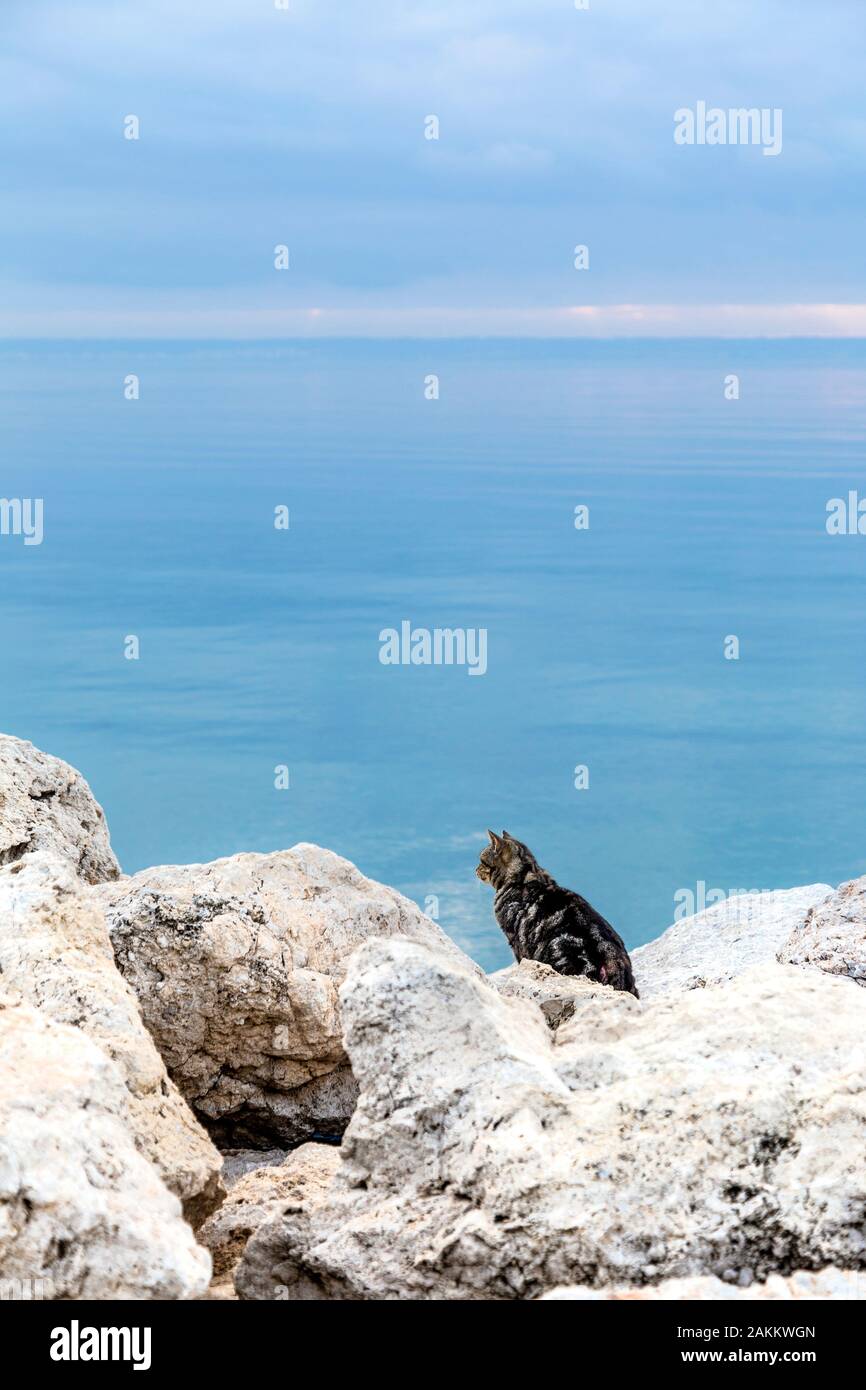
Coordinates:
column 306, row 339
column 579, row 322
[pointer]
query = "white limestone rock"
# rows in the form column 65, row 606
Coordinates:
column 82, row 1212
column 55, row 952
column 46, row 805
column 299, row 1182
column 705, row 1133
column 238, row 1162
column 722, row 941
column 827, row 1283
column 237, row 965
column 558, row 996
column 833, row 935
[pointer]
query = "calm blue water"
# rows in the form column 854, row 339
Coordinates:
column 261, row 647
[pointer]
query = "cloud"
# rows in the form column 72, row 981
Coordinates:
column 260, row 126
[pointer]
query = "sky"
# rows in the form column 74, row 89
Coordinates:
column 305, row 127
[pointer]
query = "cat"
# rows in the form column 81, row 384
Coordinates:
column 544, row 922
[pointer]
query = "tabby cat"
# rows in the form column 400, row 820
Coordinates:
column 544, row 922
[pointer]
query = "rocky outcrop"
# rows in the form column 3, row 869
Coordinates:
column 558, row 996
column 46, row 805
column 237, row 965
column 719, row 943
column 524, row 1136
column 828, row 1283
column 833, row 935
column 55, row 952
column 706, row 1133
column 80, row 1208
column 297, row 1184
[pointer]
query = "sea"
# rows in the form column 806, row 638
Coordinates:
column 673, row 702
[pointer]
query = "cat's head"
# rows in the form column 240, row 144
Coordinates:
column 505, row 860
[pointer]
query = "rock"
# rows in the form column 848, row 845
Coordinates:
column 46, row 805
column 295, row 1185
column 238, row 1162
column 237, row 964
column 556, row 995
column 828, row 1283
column 221, row 1291
column 718, row 944
column 706, row 1133
column 262, row 1176
column 833, row 936
column 55, row 952
column 80, row 1207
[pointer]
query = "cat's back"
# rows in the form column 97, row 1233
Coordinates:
column 559, row 926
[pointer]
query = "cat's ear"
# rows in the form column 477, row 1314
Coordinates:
column 494, row 839
column 506, row 836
